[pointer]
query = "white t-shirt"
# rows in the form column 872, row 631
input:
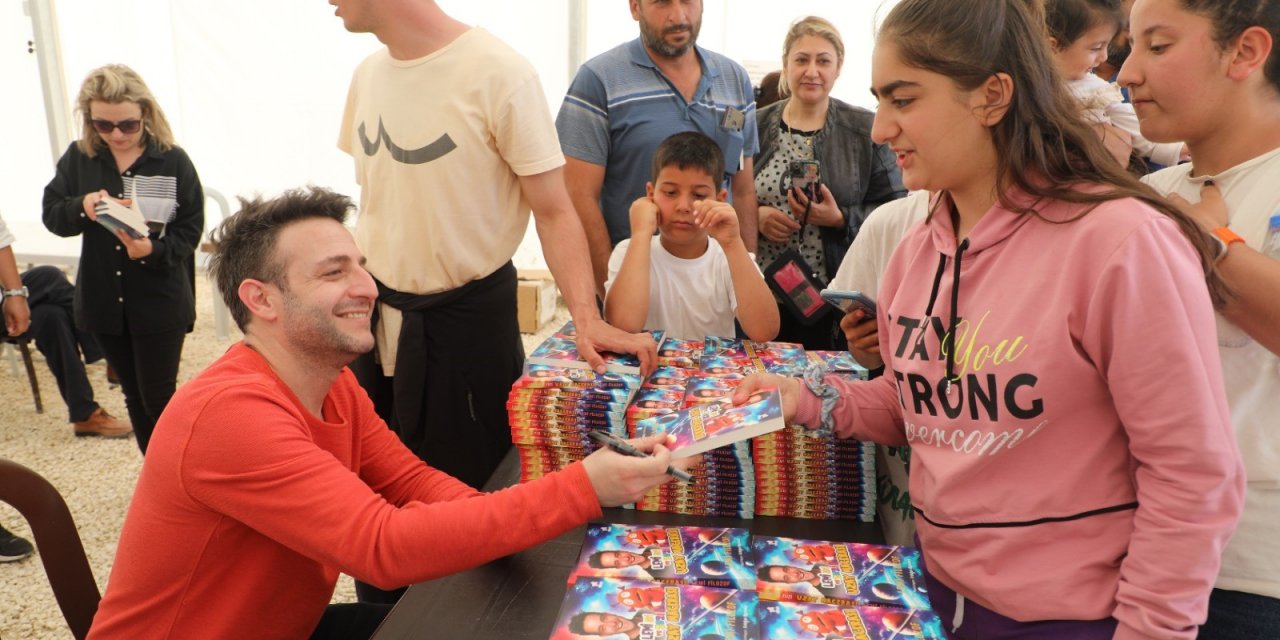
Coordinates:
column 864, row 263
column 1251, row 374
column 689, row 299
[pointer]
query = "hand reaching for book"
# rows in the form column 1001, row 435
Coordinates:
column 595, row 335
column 619, row 479
column 788, row 388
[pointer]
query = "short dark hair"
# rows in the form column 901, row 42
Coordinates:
column 765, row 572
column 1067, row 20
column 690, row 150
column 244, row 245
column 596, row 560
column 578, row 623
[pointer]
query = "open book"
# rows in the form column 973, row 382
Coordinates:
column 706, row 426
column 117, row 217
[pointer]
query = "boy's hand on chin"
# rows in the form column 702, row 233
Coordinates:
column 719, row 219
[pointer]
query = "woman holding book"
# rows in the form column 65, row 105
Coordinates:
column 1048, row 338
column 811, row 131
column 134, row 293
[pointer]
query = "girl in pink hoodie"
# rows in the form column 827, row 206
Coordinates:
column 1049, row 345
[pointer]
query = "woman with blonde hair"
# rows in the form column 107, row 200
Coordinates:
column 855, row 176
column 134, row 292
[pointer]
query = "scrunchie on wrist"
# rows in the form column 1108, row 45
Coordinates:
column 814, row 379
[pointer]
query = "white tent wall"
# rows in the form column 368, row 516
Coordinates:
column 255, row 90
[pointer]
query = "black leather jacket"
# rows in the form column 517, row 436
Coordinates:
column 860, row 174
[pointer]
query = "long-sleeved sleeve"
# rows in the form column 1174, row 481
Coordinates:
column 63, row 204
column 272, row 477
column 1165, row 379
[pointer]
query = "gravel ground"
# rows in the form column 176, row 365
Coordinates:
column 96, row 477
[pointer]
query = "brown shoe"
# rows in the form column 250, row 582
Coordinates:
column 103, row 424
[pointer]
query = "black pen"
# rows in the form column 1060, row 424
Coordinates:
column 622, row 446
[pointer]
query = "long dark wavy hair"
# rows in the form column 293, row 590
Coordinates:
column 1043, row 145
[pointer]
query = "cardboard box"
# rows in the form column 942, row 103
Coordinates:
column 536, row 303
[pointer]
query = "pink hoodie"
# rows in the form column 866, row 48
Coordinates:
column 1082, row 465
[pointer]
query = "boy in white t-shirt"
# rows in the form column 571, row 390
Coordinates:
column 679, row 280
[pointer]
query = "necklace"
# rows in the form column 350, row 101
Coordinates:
column 803, row 149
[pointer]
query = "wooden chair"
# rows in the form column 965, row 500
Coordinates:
column 23, row 344
column 58, row 543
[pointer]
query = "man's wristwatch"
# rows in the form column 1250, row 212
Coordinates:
column 1223, row 237
column 20, row 292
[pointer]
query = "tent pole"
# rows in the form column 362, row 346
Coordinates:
column 577, row 36
column 48, row 51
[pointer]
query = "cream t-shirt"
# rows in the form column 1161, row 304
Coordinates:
column 439, row 143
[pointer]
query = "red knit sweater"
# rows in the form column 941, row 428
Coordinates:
column 248, row 507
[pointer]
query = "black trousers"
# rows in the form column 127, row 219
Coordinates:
column 55, row 334
column 148, row 370
column 350, row 621
column 471, row 353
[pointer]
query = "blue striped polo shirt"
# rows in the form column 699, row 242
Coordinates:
column 620, row 106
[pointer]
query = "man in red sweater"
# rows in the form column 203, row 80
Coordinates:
column 269, row 473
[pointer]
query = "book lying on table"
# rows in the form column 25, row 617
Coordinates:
column 561, row 349
column 813, row 621
column 117, row 217
column 619, row 608
column 707, row 426
column 841, row 573
column 708, row 556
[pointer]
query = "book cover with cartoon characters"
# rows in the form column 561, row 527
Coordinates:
column 636, row 610
column 561, row 349
column 843, row 573
column 707, row 426
column 708, row 556
column 816, row 621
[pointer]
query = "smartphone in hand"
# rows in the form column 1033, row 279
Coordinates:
column 847, row 301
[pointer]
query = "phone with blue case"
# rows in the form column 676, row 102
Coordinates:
column 847, row 301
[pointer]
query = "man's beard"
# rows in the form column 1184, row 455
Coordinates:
column 655, row 40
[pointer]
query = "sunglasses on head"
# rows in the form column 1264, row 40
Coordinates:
column 125, row 126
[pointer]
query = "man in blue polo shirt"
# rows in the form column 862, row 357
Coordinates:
column 626, row 101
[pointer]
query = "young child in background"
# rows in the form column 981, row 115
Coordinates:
column 1079, row 32
column 679, row 280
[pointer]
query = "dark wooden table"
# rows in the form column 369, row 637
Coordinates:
column 517, row 597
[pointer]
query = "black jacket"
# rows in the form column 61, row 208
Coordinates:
column 861, row 175
column 151, row 295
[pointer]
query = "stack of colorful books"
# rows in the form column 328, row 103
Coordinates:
column 648, row 581
column 558, row 399
column 752, row 466
column 802, row 473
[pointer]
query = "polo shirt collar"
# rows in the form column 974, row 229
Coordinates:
column 640, row 56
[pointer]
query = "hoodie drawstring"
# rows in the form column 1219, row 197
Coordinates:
column 955, row 303
column 948, row 353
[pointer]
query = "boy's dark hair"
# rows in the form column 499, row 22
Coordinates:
column 244, row 245
column 1067, row 20
column 690, row 150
